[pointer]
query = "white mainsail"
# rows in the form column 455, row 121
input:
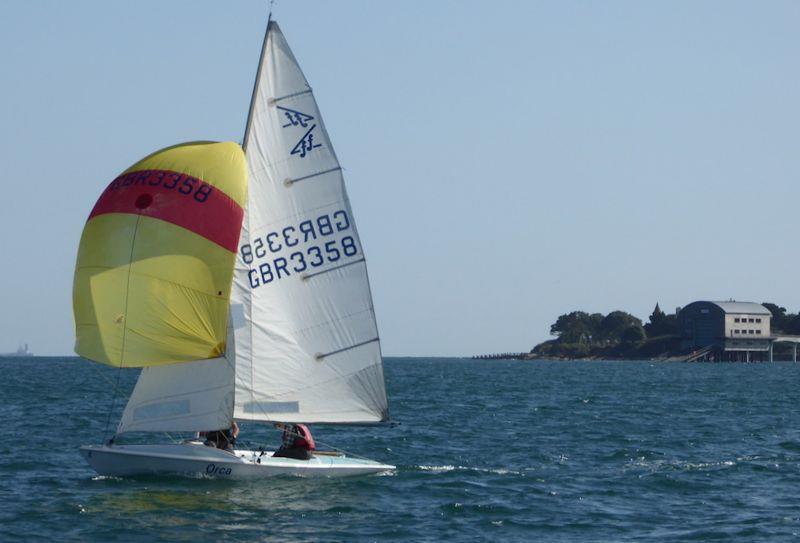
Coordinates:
column 304, row 330
column 308, row 349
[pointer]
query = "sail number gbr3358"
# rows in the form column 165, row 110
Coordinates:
column 308, row 246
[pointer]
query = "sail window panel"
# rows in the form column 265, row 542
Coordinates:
column 173, row 408
column 276, row 408
column 358, row 396
column 185, row 397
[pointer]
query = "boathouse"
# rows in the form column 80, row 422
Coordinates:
column 732, row 331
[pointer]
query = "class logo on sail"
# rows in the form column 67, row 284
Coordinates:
column 294, row 118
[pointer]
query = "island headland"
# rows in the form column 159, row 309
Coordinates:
column 700, row 331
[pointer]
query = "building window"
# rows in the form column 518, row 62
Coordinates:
column 751, row 320
column 758, row 320
column 752, row 332
column 758, row 332
column 736, row 319
column 736, row 331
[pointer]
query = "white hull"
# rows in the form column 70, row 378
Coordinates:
column 196, row 460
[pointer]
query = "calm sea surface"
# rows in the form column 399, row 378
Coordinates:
column 487, row 450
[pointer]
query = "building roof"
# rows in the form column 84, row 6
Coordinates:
column 749, row 308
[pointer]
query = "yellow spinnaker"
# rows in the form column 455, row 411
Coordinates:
column 155, row 263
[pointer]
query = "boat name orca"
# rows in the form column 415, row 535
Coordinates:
column 213, row 469
column 306, row 245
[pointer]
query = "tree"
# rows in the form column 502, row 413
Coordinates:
column 614, row 325
column 780, row 320
column 576, row 327
column 776, row 310
column 661, row 324
column 633, row 334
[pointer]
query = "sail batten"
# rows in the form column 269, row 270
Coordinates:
column 289, row 181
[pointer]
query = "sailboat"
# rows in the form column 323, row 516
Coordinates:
column 274, row 323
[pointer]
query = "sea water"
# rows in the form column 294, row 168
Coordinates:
column 486, row 451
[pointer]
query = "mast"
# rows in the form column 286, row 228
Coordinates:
column 256, row 83
column 247, row 127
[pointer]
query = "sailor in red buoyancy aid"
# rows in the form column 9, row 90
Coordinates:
column 297, row 442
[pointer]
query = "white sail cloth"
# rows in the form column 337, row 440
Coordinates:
column 186, row 397
column 304, row 330
column 308, row 349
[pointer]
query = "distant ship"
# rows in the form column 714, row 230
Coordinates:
column 21, row 351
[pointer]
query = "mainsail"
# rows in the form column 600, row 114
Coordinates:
column 155, row 263
column 306, row 341
column 307, row 346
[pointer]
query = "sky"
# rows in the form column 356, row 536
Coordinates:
column 506, row 162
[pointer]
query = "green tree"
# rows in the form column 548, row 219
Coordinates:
column 781, row 320
column 633, row 334
column 614, row 325
column 576, row 327
column 661, row 324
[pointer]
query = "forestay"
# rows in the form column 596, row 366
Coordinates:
column 306, row 339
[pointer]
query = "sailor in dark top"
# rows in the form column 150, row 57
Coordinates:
column 297, row 442
column 222, row 439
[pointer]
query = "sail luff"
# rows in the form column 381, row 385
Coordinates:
column 245, row 140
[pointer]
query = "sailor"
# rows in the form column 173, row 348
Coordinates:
column 222, row 439
column 297, row 442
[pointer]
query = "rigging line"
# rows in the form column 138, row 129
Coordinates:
column 124, row 327
column 113, row 405
column 107, row 380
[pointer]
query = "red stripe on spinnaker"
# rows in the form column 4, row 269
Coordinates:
column 176, row 198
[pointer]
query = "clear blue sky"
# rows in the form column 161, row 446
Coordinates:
column 506, row 161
